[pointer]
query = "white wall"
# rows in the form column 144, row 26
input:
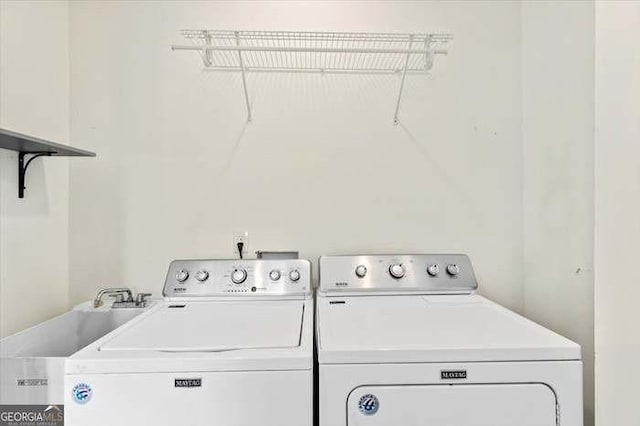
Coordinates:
column 34, row 99
column 321, row 169
column 557, row 137
column 617, row 213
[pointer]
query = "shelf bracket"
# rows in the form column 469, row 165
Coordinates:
column 428, row 56
column 404, row 76
column 244, row 77
column 207, row 54
column 23, row 166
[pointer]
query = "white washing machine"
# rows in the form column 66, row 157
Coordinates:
column 231, row 344
column 404, row 340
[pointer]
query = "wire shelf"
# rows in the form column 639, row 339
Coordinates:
column 316, row 52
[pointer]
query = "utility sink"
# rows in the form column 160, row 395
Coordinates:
column 32, row 362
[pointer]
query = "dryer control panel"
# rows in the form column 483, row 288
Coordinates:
column 250, row 277
column 414, row 273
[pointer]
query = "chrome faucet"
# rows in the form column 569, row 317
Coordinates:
column 118, row 293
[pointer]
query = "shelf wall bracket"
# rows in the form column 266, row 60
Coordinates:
column 244, row 78
column 404, row 76
column 207, row 54
column 24, row 165
column 429, row 55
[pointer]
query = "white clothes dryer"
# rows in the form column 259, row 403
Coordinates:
column 405, row 340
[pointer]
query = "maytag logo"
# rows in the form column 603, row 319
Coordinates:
column 453, row 374
column 188, row 383
column 342, row 284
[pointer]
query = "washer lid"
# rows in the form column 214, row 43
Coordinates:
column 214, row 326
column 397, row 329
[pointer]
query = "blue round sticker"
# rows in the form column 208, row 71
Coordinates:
column 368, row 404
column 82, row 393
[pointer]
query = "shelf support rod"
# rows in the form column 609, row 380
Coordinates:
column 23, row 166
column 404, row 76
column 244, row 78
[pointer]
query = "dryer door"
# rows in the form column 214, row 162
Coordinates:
column 453, row 405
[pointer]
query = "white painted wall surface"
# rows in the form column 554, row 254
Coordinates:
column 617, row 154
column 34, row 99
column 557, row 137
column 321, row 169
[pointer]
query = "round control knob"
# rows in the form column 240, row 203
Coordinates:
column 182, row 275
column 274, row 275
column 453, row 269
column 202, row 275
column 238, row 276
column 294, row 275
column 396, row 270
column 361, row 271
column 433, row 270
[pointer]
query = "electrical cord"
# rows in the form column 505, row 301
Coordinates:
column 240, row 248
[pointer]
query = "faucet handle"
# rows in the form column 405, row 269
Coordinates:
column 118, row 296
column 141, row 298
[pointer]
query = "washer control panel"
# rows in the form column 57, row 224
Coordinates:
column 253, row 277
column 417, row 273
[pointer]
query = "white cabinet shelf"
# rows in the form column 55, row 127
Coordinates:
column 316, row 52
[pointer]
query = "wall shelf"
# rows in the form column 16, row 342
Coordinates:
column 316, row 52
column 30, row 148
